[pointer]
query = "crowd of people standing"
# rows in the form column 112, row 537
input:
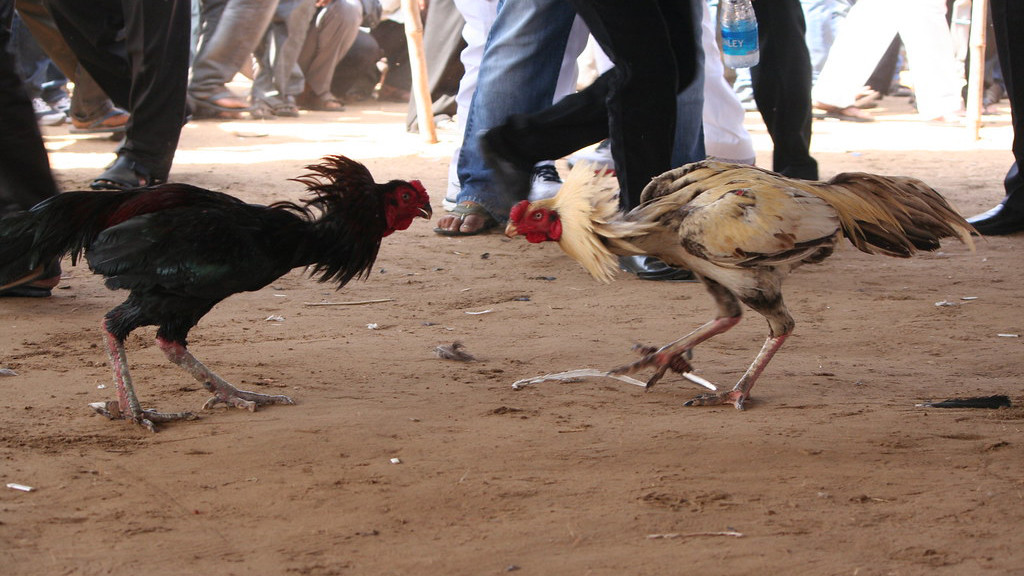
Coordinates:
column 143, row 69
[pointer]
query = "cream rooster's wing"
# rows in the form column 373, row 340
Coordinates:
column 758, row 224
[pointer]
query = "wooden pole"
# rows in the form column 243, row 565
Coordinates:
column 976, row 74
column 420, row 84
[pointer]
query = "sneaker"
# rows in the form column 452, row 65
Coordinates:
column 63, row 104
column 544, row 182
column 45, row 115
column 601, row 156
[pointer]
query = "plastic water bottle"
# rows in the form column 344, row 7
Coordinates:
column 738, row 27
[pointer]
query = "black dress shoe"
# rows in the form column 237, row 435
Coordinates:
column 650, row 268
column 998, row 221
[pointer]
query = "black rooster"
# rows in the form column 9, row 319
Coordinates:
column 180, row 250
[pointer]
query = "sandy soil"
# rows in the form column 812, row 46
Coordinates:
column 832, row 469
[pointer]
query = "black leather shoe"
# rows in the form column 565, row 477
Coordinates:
column 998, row 221
column 650, row 268
column 512, row 177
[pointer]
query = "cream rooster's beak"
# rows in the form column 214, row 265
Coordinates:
column 511, row 231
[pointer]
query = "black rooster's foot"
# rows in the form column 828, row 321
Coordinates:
column 146, row 418
column 734, row 397
column 245, row 400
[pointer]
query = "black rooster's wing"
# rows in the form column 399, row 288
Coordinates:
column 207, row 253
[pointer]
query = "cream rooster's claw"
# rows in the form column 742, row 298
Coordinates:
column 735, row 397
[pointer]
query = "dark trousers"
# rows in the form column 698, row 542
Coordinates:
column 1008, row 19
column 25, row 177
column 782, row 86
column 653, row 45
column 138, row 52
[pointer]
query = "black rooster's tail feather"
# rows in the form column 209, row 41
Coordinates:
column 53, row 228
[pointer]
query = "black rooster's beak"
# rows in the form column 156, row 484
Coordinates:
column 426, row 212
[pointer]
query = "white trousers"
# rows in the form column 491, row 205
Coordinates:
column 863, row 38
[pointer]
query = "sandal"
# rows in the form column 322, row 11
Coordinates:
column 115, row 120
column 125, row 174
column 464, row 209
column 262, row 111
column 36, row 284
column 848, row 114
column 321, row 103
column 210, row 108
column 287, row 109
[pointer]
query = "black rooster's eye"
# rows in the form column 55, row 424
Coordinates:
column 406, row 196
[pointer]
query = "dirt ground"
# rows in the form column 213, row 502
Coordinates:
column 831, row 470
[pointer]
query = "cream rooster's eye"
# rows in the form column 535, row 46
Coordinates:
column 537, row 216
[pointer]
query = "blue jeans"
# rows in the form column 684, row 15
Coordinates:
column 689, row 142
column 653, row 45
column 518, row 72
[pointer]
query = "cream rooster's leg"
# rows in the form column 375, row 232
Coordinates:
column 223, row 392
column 127, row 404
column 671, row 355
column 741, row 391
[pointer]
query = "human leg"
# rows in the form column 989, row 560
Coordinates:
column 925, row 34
column 724, row 134
column 688, row 145
column 278, row 77
column 782, row 86
column 330, row 36
column 229, row 32
column 634, row 103
column 866, row 34
column 25, row 177
column 518, row 72
column 89, row 103
column 1008, row 216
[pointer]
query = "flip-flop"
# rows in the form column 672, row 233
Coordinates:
column 124, row 174
column 848, row 114
column 463, row 209
column 207, row 108
column 115, row 120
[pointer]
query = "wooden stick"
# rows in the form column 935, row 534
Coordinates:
column 420, row 83
column 356, row 303
column 976, row 74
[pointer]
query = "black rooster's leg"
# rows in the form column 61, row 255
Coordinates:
column 672, row 354
column 127, row 404
column 741, row 391
column 223, row 392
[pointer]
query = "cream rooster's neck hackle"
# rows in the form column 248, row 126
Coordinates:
column 588, row 207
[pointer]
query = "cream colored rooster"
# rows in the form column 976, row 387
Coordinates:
column 741, row 230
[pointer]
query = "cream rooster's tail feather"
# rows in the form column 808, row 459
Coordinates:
column 892, row 215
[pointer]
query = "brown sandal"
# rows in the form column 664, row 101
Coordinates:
column 463, row 209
